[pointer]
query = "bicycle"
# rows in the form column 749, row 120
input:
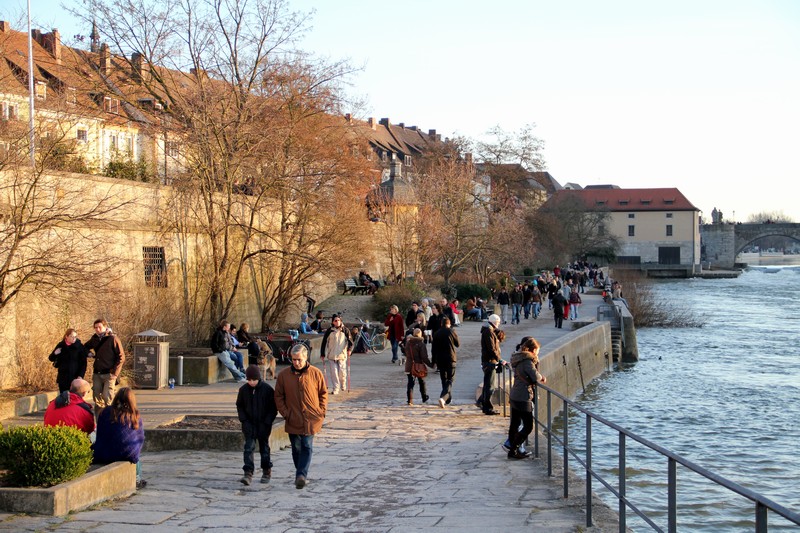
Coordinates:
column 372, row 339
column 281, row 345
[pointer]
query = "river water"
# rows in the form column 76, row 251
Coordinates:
column 725, row 396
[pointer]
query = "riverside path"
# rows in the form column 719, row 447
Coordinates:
column 379, row 465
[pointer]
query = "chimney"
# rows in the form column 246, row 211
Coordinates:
column 396, row 168
column 141, row 69
column 105, row 59
column 372, row 123
column 348, row 117
column 384, row 122
column 5, row 27
column 402, row 125
column 412, row 128
column 432, row 133
column 52, row 43
column 37, row 36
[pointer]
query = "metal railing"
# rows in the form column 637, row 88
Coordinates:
column 762, row 504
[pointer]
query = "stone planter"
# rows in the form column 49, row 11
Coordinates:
column 165, row 438
column 102, row 483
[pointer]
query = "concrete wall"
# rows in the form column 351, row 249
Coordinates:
column 559, row 362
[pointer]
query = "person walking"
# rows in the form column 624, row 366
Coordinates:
column 416, row 352
column 255, row 405
column 517, row 298
column 302, row 401
column 559, row 307
column 395, row 330
column 443, row 355
column 337, row 346
column 525, row 363
column 503, row 301
column 69, row 357
column 574, row 302
column 109, row 356
column 490, row 359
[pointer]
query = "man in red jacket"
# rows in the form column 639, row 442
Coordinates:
column 396, row 330
column 69, row 409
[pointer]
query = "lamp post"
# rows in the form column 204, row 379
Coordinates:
column 30, row 91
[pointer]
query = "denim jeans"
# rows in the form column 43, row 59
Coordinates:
column 302, row 446
column 527, row 309
column 249, row 451
column 395, row 345
column 515, row 313
column 489, row 384
column 537, row 308
column 238, row 359
column 573, row 311
column 503, row 313
column 225, row 359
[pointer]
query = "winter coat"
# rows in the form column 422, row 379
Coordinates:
column 517, row 297
column 559, row 302
column 302, row 399
column 109, row 356
column 256, row 409
column 416, row 352
column 115, row 441
column 502, row 298
column 396, row 327
column 69, row 409
column 70, row 362
column 434, row 323
column 525, row 375
column 325, row 352
column 221, row 341
column 490, row 345
column 443, row 348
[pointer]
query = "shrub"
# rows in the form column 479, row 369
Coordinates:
column 469, row 290
column 399, row 295
column 39, row 456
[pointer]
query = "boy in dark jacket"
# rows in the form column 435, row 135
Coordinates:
column 256, row 407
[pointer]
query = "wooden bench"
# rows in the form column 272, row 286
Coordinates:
column 352, row 286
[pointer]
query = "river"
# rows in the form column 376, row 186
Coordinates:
column 725, row 396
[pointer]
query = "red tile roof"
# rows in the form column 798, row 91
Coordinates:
column 666, row 199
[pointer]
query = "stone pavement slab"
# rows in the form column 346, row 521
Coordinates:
column 379, row 465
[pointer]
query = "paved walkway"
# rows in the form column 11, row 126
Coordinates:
column 378, row 465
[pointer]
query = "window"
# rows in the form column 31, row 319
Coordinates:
column 10, row 111
column 631, row 231
column 669, row 215
column 631, row 215
column 601, row 230
column 112, row 143
column 40, row 90
column 82, row 135
column 623, row 202
column 172, row 148
column 129, row 146
column 111, row 104
column 155, row 266
column 669, row 230
column 407, row 160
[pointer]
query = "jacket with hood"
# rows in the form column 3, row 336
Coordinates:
column 490, row 345
column 525, row 375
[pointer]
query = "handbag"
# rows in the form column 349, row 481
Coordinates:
column 419, row 370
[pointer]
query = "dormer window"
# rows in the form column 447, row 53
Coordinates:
column 111, row 104
column 623, row 202
column 40, row 90
column 645, row 202
column 600, row 202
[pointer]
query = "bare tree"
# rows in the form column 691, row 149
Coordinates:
column 250, row 114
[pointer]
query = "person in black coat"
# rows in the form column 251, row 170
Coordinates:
column 443, row 352
column 69, row 357
column 559, row 306
column 257, row 410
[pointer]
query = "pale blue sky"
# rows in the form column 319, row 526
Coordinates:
column 703, row 95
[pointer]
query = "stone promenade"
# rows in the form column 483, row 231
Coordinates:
column 379, row 465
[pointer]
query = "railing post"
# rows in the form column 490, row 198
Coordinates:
column 566, row 449
column 622, row 506
column 672, row 495
column 588, row 471
column 761, row 518
column 549, row 435
column 536, row 422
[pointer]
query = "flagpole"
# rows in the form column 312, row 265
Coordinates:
column 30, row 91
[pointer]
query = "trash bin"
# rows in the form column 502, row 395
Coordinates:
column 151, row 359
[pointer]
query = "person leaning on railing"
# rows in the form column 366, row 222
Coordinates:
column 525, row 363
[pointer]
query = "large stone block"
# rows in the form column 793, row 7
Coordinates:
column 102, row 483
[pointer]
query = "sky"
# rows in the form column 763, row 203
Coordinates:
column 699, row 95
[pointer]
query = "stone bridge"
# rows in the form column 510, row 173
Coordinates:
column 721, row 243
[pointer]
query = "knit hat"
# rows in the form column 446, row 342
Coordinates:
column 494, row 320
column 252, row 372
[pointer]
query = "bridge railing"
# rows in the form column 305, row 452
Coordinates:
column 762, row 505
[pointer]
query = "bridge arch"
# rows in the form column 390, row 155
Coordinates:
column 721, row 243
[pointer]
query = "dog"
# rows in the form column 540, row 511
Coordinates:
column 265, row 361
